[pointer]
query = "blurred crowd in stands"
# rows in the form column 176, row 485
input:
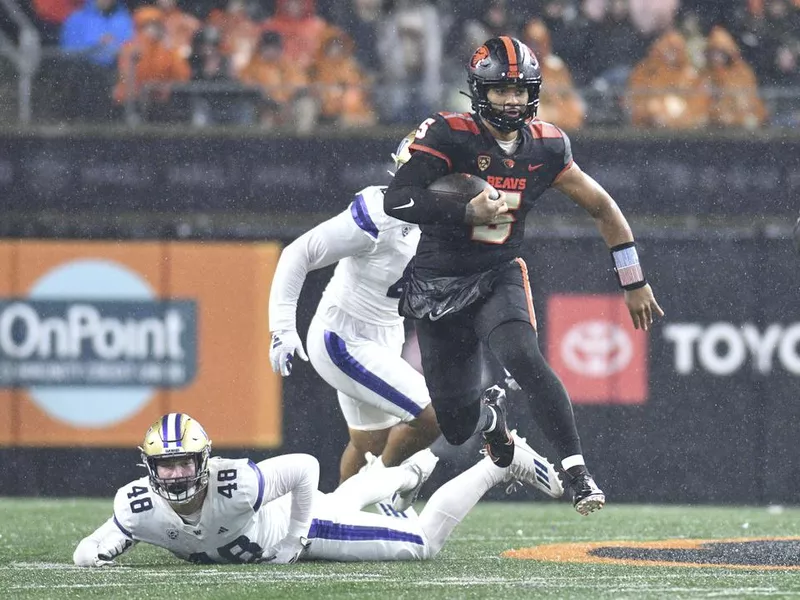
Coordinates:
column 649, row 63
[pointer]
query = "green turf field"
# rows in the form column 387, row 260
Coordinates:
column 37, row 538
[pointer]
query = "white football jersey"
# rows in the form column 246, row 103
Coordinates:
column 233, row 525
column 366, row 285
column 372, row 249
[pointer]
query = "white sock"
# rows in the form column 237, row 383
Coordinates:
column 375, row 485
column 572, row 461
column 452, row 502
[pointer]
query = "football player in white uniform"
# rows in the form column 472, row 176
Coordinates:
column 356, row 337
column 219, row 510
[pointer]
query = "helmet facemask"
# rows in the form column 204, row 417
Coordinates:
column 403, row 153
column 499, row 118
column 178, row 490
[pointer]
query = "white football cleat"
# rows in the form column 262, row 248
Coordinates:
column 422, row 463
column 528, row 466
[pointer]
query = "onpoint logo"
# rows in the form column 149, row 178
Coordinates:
column 92, row 343
column 594, row 348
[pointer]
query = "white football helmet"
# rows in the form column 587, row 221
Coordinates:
column 176, row 436
column 402, row 155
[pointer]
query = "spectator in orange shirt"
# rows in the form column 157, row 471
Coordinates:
column 559, row 103
column 147, row 60
column 732, row 83
column 301, row 29
column 239, row 34
column 340, row 84
column 281, row 82
column 665, row 90
column 179, row 27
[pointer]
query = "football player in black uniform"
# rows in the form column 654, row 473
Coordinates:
column 467, row 287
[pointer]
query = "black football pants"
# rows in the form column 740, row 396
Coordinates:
column 504, row 322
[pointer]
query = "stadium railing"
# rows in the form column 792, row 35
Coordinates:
column 24, row 55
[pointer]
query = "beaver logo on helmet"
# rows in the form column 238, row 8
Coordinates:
column 504, row 61
column 480, row 54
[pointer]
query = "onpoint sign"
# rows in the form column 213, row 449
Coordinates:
column 99, row 339
column 92, row 330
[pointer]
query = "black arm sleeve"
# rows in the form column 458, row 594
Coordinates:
column 408, row 199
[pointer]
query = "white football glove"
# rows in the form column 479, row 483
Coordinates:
column 287, row 551
column 281, row 352
column 90, row 554
column 106, row 555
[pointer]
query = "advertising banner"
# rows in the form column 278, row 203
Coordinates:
column 592, row 345
column 97, row 340
column 703, row 408
column 715, row 420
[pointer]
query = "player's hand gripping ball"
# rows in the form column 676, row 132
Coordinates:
column 466, row 188
column 461, row 186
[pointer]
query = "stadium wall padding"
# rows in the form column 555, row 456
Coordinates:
column 715, row 421
column 669, row 173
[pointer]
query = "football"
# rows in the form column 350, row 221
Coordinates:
column 461, row 186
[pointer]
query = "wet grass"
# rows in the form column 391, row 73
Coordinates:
column 37, row 538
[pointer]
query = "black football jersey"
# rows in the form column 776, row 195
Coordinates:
column 466, row 146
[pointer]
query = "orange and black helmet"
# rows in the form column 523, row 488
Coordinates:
column 504, row 61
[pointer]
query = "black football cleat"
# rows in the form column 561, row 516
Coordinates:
column 586, row 496
column 499, row 445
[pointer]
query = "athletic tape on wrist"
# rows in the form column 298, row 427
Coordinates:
column 626, row 266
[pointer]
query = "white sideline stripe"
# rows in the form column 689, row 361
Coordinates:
column 627, row 582
column 541, row 583
column 222, row 571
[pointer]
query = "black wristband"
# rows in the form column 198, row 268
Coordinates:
column 625, row 261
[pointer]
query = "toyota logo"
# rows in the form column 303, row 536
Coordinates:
column 596, row 348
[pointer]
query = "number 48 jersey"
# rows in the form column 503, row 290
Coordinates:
column 233, row 527
column 463, row 145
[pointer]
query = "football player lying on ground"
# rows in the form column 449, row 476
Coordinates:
column 219, row 510
column 356, row 338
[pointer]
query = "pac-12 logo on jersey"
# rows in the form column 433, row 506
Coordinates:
column 484, row 162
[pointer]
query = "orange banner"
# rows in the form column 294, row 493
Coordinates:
column 97, row 340
column 9, row 419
